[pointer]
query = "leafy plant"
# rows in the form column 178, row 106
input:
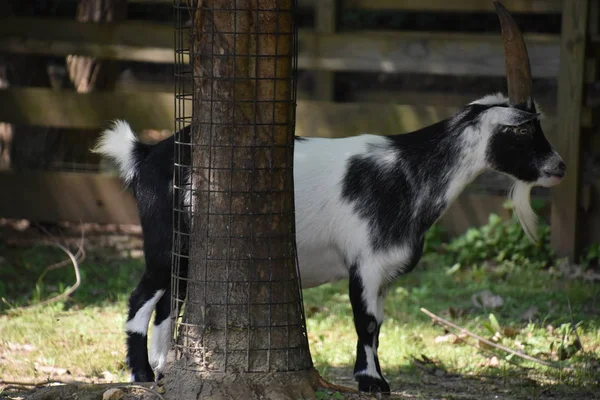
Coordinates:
column 501, row 242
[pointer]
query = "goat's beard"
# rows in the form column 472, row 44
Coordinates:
column 520, row 196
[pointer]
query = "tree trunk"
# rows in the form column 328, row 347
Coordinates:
column 242, row 334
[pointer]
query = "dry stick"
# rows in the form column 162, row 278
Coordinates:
column 80, row 255
column 488, row 342
column 69, row 291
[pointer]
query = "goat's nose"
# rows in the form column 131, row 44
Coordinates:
column 562, row 167
column 559, row 170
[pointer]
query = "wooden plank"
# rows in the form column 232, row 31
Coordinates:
column 131, row 40
column 565, row 215
column 324, row 119
column 153, row 110
column 515, row 6
column 66, row 196
column 69, row 109
column 422, row 52
column 326, row 21
column 547, row 104
column 301, row 3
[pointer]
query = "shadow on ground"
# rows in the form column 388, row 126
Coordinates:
column 112, row 267
column 410, row 383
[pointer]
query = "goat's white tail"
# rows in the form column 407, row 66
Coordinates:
column 118, row 143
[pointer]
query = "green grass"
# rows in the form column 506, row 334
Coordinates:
column 84, row 334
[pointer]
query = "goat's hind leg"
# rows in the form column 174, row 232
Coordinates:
column 142, row 303
column 367, row 299
column 162, row 333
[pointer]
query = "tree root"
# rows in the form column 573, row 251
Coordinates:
column 217, row 386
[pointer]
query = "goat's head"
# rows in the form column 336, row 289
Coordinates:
column 517, row 145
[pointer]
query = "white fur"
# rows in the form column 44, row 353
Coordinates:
column 117, row 143
column 491, row 99
column 371, row 369
column 328, row 231
column 520, row 195
column 379, row 268
column 139, row 323
column 160, row 342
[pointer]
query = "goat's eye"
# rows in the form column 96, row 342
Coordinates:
column 523, row 131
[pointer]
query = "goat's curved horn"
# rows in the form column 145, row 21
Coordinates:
column 518, row 70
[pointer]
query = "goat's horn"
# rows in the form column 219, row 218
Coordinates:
column 518, row 70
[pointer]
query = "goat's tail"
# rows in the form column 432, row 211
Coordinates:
column 121, row 145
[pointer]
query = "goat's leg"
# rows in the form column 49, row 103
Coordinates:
column 142, row 303
column 161, row 335
column 366, row 298
column 163, row 330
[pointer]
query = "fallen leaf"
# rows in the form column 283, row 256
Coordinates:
column 20, row 347
column 486, row 299
column 445, row 338
column 493, row 362
column 47, row 369
column 107, row 376
column 530, row 313
column 510, row 332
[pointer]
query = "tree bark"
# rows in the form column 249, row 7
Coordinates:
column 243, row 333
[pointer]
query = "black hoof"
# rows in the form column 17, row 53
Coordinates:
column 143, row 376
column 370, row 384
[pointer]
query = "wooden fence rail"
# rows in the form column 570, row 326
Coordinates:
column 390, row 52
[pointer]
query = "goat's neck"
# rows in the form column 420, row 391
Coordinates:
column 448, row 160
column 469, row 163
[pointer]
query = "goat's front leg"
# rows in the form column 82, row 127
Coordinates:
column 367, row 297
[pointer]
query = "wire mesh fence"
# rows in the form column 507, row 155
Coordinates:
column 234, row 255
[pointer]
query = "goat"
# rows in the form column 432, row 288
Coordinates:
column 363, row 203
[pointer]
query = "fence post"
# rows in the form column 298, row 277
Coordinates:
column 326, row 22
column 565, row 197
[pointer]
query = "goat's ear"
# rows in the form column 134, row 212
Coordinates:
column 510, row 116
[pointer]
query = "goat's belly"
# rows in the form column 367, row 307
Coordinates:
column 319, row 265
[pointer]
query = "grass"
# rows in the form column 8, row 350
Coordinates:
column 545, row 313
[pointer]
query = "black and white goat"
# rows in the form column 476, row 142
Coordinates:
column 363, row 203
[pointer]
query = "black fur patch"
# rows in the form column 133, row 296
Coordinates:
column 519, row 154
column 137, row 357
column 386, row 195
column 370, row 384
column 363, row 321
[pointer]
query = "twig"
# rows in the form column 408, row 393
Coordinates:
column 573, row 327
column 30, row 384
column 69, row 291
column 488, row 342
column 80, row 255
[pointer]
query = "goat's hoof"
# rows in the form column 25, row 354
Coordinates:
column 142, row 376
column 371, row 384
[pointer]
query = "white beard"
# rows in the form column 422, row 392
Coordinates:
column 520, row 196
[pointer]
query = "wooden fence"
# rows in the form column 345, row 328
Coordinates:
column 569, row 58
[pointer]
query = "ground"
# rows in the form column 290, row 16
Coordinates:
column 489, row 282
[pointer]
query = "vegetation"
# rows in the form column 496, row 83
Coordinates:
column 490, row 281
